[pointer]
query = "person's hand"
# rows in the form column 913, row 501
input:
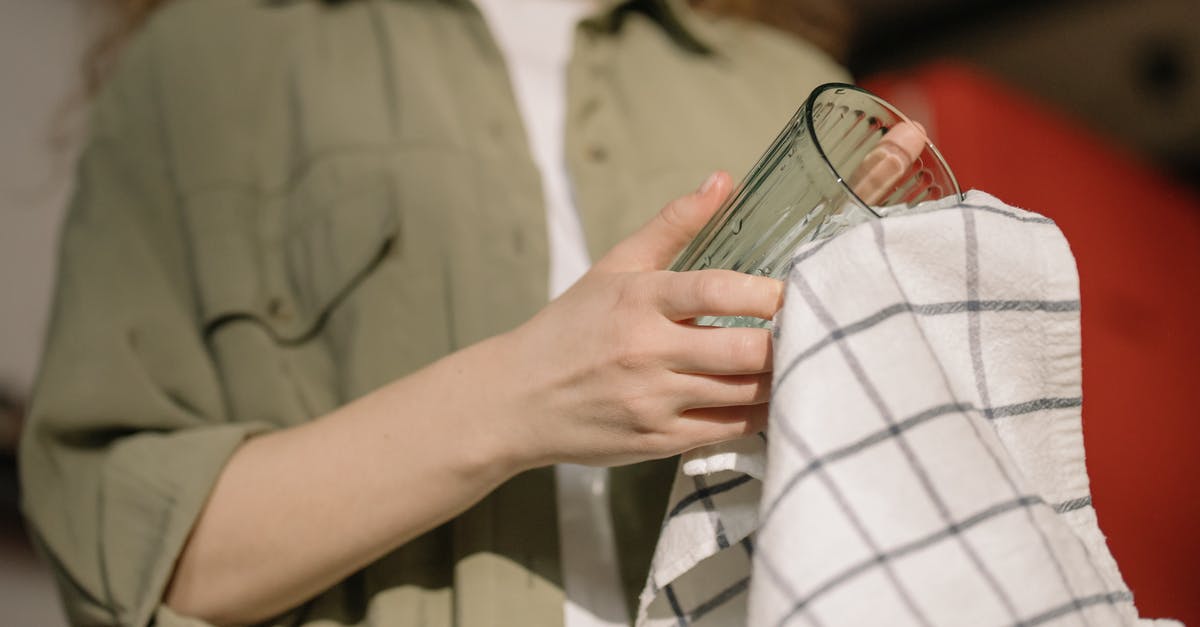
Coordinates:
column 614, row 372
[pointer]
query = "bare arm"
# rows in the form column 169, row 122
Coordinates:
column 608, row 373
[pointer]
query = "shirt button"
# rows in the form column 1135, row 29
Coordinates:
column 278, row 309
column 597, row 153
column 588, row 108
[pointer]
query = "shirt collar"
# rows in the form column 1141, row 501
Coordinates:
column 676, row 17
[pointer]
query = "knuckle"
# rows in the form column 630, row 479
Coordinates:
column 641, row 344
column 643, row 412
column 633, row 295
column 655, row 445
column 720, row 432
column 636, row 349
column 627, row 295
column 631, row 361
column 674, row 214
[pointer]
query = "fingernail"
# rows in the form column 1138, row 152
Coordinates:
column 708, row 183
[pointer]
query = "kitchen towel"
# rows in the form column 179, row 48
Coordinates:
column 924, row 460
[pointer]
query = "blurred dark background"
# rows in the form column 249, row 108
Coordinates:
column 1128, row 69
column 1087, row 107
column 1087, row 111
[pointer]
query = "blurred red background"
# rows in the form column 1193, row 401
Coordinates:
column 1136, row 237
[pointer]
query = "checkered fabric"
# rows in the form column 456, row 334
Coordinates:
column 924, row 462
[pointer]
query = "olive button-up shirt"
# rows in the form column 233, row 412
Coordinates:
column 284, row 205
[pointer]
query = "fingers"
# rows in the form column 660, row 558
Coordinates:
column 704, row 391
column 713, row 350
column 701, row 427
column 656, row 244
column 684, row 295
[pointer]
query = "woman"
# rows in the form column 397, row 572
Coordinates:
column 301, row 365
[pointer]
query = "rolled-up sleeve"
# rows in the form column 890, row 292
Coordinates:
column 128, row 430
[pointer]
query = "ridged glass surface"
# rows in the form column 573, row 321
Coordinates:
column 796, row 192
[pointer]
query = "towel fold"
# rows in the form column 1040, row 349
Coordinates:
column 924, row 462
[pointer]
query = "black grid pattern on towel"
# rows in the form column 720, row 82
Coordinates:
column 953, row 529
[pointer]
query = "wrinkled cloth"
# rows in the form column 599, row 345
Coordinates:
column 924, row 460
column 282, row 206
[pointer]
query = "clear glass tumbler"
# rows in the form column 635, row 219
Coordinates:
column 846, row 156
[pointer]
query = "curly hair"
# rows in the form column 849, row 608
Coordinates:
column 125, row 17
column 828, row 24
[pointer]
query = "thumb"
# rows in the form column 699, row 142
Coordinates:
column 656, row 244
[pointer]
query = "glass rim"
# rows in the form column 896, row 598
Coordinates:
column 810, row 127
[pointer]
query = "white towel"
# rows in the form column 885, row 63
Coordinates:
column 924, row 462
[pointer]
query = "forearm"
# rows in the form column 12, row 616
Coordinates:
column 611, row 372
column 297, row 510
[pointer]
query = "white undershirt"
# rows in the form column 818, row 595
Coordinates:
column 536, row 37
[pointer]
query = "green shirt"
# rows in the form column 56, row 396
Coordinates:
column 284, row 205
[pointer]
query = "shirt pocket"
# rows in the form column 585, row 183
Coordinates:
column 284, row 259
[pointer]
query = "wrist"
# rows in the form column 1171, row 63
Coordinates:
column 489, row 397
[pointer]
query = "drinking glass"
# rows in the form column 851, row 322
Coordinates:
column 845, row 156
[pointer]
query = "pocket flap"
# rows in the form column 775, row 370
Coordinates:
column 285, row 260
